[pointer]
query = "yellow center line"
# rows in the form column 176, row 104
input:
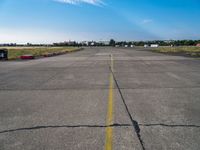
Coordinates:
column 109, row 121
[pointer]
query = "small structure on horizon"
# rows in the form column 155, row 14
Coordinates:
column 154, row 45
column 3, row 54
column 198, row 45
column 146, row 45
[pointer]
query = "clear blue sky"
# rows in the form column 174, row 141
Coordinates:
column 47, row 21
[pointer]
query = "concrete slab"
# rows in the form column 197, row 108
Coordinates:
column 167, row 106
column 165, row 138
column 153, row 80
column 25, row 79
column 70, row 80
column 54, row 139
column 67, row 138
column 21, row 109
column 61, row 102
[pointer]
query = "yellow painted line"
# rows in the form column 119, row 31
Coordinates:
column 112, row 63
column 109, row 120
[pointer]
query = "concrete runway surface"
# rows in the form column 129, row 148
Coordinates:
column 101, row 98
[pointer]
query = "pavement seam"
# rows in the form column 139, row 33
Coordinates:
column 97, row 88
column 135, row 124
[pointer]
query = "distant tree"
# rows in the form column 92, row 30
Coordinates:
column 130, row 43
column 29, row 44
column 189, row 42
column 112, row 42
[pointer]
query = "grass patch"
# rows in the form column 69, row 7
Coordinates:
column 184, row 50
column 16, row 52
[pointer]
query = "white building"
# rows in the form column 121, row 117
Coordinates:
column 154, row 45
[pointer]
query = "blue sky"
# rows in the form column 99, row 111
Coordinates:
column 47, row 21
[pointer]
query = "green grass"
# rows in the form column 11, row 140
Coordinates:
column 16, row 52
column 187, row 50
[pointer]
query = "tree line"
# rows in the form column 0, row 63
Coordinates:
column 161, row 43
column 112, row 42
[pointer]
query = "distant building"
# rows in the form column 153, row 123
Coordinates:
column 92, row 43
column 145, row 46
column 154, row 45
column 106, row 43
column 198, row 45
column 84, row 43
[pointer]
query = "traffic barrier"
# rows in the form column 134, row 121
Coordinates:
column 27, row 57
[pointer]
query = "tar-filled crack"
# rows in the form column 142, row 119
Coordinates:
column 171, row 126
column 134, row 122
column 63, row 126
column 136, row 125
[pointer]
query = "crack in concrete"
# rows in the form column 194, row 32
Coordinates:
column 134, row 122
column 64, row 126
column 136, row 125
column 171, row 126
